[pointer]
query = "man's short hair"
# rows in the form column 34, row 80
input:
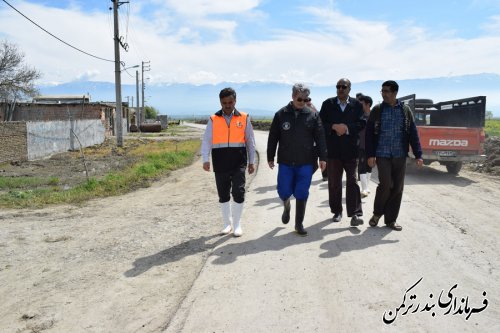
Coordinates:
column 392, row 85
column 367, row 99
column 226, row 92
column 359, row 95
column 300, row 88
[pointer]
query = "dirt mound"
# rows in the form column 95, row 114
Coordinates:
column 492, row 163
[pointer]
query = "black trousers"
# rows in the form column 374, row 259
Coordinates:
column 391, row 177
column 363, row 163
column 336, row 168
column 231, row 182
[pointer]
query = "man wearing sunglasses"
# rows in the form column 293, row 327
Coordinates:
column 342, row 118
column 294, row 130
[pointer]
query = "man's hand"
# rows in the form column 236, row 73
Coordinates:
column 371, row 162
column 340, row 129
column 271, row 164
column 322, row 165
column 419, row 162
column 251, row 168
column 206, row 166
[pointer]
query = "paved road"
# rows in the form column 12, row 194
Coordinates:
column 342, row 279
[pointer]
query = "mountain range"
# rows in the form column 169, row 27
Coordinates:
column 263, row 99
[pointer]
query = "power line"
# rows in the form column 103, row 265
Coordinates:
column 59, row 39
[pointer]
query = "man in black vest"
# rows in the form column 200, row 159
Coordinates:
column 342, row 118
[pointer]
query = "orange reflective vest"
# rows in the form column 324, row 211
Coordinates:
column 224, row 136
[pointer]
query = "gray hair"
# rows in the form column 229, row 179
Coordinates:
column 300, row 88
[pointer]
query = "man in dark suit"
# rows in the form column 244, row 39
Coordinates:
column 342, row 118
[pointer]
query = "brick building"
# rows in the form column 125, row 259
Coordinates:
column 50, row 123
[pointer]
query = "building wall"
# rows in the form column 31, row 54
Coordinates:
column 163, row 119
column 13, row 143
column 46, row 112
column 48, row 137
column 40, row 130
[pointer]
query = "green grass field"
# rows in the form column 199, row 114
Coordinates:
column 157, row 159
column 492, row 127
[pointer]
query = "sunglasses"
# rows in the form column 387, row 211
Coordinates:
column 341, row 86
column 303, row 100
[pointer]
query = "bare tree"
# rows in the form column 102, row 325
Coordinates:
column 17, row 80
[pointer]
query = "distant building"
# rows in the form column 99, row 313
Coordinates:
column 66, row 107
column 51, row 124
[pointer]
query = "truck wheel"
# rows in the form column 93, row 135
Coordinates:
column 454, row 167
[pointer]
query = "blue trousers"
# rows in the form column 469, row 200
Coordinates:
column 294, row 180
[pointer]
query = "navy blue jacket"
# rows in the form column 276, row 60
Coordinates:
column 296, row 136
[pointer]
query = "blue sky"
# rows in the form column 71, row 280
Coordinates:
column 212, row 41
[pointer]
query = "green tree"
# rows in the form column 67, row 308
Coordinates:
column 17, row 80
column 150, row 112
column 489, row 115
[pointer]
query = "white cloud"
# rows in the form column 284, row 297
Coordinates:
column 202, row 8
column 89, row 75
column 338, row 46
column 201, row 77
column 493, row 25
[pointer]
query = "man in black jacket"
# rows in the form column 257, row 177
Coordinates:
column 296, row 128
column 342, row 118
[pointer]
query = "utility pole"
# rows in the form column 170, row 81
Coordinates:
column 137, row 110
column 145, row 68
column 130, row 107
column 118, row 80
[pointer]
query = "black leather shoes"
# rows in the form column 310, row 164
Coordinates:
column 337, row 217
column 374, row 220
column 356, row 220
column 394, row 226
